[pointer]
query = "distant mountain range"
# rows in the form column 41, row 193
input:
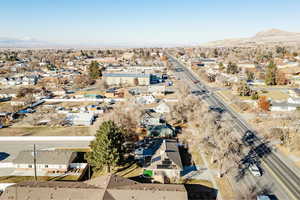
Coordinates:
column 6, row 42
column 269, row 37
column 32, row 43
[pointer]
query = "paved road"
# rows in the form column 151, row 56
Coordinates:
column 281, row 179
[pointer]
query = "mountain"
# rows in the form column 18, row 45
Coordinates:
column 26, row 42
column 269, row 37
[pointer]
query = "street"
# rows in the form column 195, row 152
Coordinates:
column 278, row 177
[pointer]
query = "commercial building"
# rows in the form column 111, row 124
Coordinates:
column 129, row 79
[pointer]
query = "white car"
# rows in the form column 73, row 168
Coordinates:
column 255, row 170
column 263, row 197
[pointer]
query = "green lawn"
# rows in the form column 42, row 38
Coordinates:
column 18, row 179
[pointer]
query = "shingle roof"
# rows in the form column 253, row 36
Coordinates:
column 172, row 152
column 285, row 104
column 45, row 157
column 109, row 187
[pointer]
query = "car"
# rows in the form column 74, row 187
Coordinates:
column 262, row 150
column 216, row 109
column 249, row 138
column 197, row 92
column 196, row 81
column 263, row 197
column 179, row 69
column 254, row 169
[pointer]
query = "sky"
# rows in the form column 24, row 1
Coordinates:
column 144, row 22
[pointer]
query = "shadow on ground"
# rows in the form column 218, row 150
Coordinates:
column 200, row 192
column 254, row 157
column 3, row 155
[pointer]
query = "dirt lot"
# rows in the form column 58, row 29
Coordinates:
column 45, row 131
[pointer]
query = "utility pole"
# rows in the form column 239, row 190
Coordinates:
column 89, row 171
column 34, row 162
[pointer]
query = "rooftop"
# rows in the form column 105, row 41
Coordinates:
column 134, row 75
column 45, row 157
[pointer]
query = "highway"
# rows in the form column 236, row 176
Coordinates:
column 280, row 178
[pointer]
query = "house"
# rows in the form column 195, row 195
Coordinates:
column 47, row 161
column 151, row 119
column 106, row 187
column 80, row 119
column 162, row 108
column 128, row 55
column 145, row 99
column 166, row 161
column 295, row 92
column 284, row 106
column 161, row 131
column 157, row 89
column 130, row 79
column 291, row 104
column 59, row 92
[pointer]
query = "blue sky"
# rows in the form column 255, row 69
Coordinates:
column 140, row 22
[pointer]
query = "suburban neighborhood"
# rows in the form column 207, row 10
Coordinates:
column 111, row 101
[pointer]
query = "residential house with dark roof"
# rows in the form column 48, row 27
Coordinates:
column 166, row 161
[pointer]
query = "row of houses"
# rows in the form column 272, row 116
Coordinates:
column 15, row 81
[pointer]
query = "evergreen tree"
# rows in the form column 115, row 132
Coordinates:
column 270, row 78
column 94, row 70
column 232, row 68
column 107, row 149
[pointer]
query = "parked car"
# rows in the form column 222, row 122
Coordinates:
column 179, row 69
column 254, row 169
column 216, row 109
column 249, row 138
column 263, row 197
column 197, row 92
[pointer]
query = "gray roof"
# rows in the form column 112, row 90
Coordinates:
column 126, row 75
column 108, row 187
column 297, row 90
column 45, row 157
column 169, row 147
column 285, row 104
column 172, row 152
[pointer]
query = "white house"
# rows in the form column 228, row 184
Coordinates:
column 48, row 161
column 80, row 119
column 145, row 99
column 290, row 105
column 162, row 108
column 156, row 89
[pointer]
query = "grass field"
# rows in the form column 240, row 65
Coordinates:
column 45, row 131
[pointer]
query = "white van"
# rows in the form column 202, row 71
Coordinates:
column 255, row 170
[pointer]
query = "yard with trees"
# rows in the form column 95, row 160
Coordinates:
column 107, row 149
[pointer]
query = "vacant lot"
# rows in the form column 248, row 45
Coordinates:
column 275, row 95
column 46, row 131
